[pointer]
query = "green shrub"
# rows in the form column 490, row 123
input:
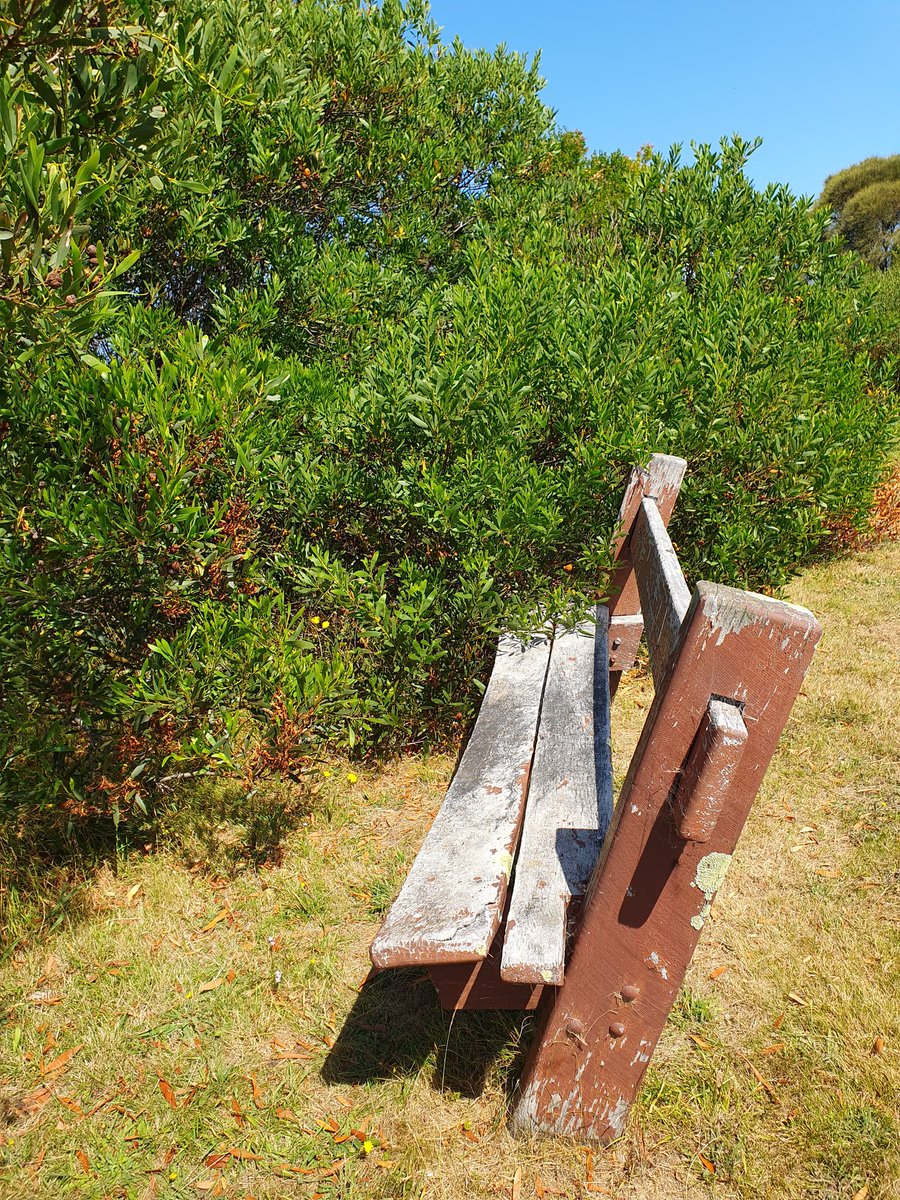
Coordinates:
column 389, row 350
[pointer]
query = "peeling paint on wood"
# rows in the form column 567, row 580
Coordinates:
column 569, row 805
column 636, row 936
column 665, row 596
column 661, row 481
column 712, row 761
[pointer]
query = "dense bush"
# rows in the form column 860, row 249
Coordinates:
column 371, row 388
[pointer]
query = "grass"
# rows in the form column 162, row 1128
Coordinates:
column 188, row 1020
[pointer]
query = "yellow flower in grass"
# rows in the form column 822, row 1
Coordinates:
column 351, row 778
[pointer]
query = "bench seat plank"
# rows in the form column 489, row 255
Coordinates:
column 451, row 905
column 569, row 806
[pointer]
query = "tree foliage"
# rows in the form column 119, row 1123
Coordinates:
column 864, row 203
column 382, row 345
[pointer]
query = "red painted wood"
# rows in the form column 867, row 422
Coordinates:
column 711, row 763
column 651, row 889
column 661, row 480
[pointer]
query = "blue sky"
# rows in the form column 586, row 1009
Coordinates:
column 818, row 81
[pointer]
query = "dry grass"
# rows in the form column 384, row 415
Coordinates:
column 195, row 1073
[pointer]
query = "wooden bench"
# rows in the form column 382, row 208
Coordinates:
column 529, row 891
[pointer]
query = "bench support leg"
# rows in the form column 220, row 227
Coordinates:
column 652, row 888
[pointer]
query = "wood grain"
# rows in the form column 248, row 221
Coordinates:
column 651, row 891
column 664, row 595
column 569, row 805
column 450, row 906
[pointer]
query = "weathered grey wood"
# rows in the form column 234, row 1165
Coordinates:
column 569, row 805
column 661, row 480
column 711, row 763
column 665, row 596
column 450, row 907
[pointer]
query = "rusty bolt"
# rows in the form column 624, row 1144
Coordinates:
column 617, row 642
column 630, row 993
column 575, row 1028
column 617, row 1029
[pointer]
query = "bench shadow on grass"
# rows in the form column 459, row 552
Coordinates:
column 49, row 863
column 397, row 1028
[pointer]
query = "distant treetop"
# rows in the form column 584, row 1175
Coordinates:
column 865, row 204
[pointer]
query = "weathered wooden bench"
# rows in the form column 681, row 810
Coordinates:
column 529, row 891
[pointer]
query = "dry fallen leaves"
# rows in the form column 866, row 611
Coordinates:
column 168, row 1092
column 59, row 1064
column 717, row 972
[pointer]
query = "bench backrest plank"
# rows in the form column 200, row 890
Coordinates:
column 569, row 805
column 661, row 481
column 450, row 906
column 664, row 594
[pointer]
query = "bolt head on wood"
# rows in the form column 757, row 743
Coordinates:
column 575, row 1027
column 617, row 1029
column 630, row 993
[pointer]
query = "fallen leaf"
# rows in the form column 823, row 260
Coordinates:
column 699, row 1041
column 45, row 998
column 878, row 1045
column 717, row 972
column 59, row 1064
column 469, row 1135
column 217, row 1160
column 517, row 1184
column 778, row 1022
column 205, row 1185
column 284, row 1114
column 211, row 986
column 36, row 1165
column 84, row 1160
column 773, row 1049
column 863, row 1193
column 168, row 1092
column 236, row 1112
column 257, row 1094
column 132, row 892
column 386, row 1164
column 765, row 1083
column 798, row 999
column 71, row 1105
column 709, row 1166
column 220, row 916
